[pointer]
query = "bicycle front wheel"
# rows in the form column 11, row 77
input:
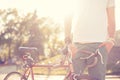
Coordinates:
column 14, row 76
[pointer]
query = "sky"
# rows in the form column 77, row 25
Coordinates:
column 52, row 8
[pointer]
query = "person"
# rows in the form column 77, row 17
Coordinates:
column 91, row 27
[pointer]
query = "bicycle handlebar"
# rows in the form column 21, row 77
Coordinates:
column 28, row 48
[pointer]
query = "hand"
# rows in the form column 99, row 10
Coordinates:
column 68, row 40
column 73, row 49
column 108, row 44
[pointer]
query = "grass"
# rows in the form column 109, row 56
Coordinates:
column 51, row 71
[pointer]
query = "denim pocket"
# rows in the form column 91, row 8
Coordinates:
column 104, row 53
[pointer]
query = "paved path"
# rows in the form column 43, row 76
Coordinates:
column 39, row 77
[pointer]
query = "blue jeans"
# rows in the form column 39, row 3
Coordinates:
column 96, row 72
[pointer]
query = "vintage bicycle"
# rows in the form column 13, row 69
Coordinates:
column 29, row 63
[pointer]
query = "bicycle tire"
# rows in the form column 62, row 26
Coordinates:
column 14, row 76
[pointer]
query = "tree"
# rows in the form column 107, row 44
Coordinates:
column 16, row 30
column 28, row 30
column 52, row 40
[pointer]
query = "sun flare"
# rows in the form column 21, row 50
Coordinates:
column 56, row 8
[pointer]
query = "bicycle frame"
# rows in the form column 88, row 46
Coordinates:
column 29, row 71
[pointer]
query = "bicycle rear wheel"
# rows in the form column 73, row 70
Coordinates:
column 14, row 76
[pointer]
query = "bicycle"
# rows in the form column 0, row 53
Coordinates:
column 30, row 63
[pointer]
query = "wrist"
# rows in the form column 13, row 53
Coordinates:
column 67, row 39
column 111, row 40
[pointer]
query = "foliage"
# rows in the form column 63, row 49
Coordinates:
column 28, row 30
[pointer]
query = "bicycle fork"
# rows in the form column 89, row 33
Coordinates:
column 29, row 71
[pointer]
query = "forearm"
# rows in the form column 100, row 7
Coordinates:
column 111, row 22
column 67, row 26
column 111, row 31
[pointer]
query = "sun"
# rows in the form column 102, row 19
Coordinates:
column 56, row 9
column 62, row 7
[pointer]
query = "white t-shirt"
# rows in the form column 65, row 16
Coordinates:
column 90, row 20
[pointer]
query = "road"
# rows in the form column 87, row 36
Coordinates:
column 7, row 69
column 41, row 77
